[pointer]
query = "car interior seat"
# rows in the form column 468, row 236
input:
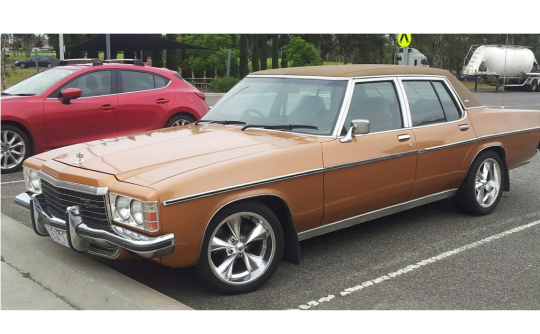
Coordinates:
column 106, row 84
column 91, row 86
column 309, row 111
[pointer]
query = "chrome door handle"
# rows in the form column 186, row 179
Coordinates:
column 403, row 137
column 464, row 127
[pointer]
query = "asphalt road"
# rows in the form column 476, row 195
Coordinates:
column 428, row 258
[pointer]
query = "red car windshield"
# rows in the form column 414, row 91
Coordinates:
column 39, row 82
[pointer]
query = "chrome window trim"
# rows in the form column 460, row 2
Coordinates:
column 479, row 107
column 73, row 186
column 81, row 98
column 285, row 76
column 241, row 186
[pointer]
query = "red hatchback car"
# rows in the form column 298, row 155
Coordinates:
column 74, row 103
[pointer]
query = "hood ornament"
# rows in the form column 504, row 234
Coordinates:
column 80, row 156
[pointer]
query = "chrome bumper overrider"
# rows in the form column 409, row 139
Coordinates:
column 82, row 238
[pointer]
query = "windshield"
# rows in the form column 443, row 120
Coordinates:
column 39, row 82
column 283, row 101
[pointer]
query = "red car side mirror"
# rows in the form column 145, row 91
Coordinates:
column 70, row 93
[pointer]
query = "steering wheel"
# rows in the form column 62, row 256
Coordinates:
column 255, row 111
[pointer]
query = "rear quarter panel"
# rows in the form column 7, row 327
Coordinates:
column 517, row 131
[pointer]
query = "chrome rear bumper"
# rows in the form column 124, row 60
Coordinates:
column 82, row 238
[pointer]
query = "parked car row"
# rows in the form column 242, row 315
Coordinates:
column 75, row 103
column 286, row 155
column 43, row 61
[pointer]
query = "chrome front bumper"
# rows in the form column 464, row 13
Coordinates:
column 101, row 242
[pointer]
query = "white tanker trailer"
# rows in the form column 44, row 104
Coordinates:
column 511, row 66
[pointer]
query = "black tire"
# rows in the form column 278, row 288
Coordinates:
column 15, row 148
column 49, row 65
column 534, row 86
column 23, row 65
column 234, row 254
column 179, row 120
column 482, row 188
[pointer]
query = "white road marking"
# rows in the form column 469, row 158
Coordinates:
column 13, row 182
column 417, row 265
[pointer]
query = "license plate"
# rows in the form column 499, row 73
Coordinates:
column 58, row 235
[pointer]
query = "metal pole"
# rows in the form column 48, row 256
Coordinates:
column 36, row 58
column 108, row 45
column 228, row 61
column 61, row 46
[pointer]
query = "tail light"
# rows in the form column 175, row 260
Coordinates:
column 201, row 95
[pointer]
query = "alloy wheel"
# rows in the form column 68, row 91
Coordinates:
column 488, row 182
column 241, row 248
column 13, row 149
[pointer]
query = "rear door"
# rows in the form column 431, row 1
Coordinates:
column 145, row 99
column 444, row 135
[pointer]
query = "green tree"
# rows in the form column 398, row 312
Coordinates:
column 255, row 52
column 283, row 41
column 171, row 60
column 302, row 53
column 263, row 47
column 243, row 69
column 4, row 73
column 157, row 56
column 212, row 60
column 28, row 41
column 233, row 71
column 275, row 51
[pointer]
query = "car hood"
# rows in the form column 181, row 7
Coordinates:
column 150, row 157
column 10, row 99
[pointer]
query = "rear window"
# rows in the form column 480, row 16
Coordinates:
column 136, row 81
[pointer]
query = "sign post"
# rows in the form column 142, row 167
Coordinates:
column 404, row 40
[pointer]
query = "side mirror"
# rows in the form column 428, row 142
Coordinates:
column 70, row 93
column 358, row 127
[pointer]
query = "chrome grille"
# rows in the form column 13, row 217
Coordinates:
column 92, row 208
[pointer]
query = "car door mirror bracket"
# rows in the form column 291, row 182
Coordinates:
column 358, row 127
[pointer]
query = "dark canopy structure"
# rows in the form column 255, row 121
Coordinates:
column 125, row 42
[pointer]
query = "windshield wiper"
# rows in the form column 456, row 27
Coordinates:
column 219, row 122
column 24, row 94
column 281, row 127
column 6, row 93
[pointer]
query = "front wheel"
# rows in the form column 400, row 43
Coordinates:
column 242, row 247
column 481, row 190
column 23, row 65
column 179, row 120
column 15, row 148
column 49, row 65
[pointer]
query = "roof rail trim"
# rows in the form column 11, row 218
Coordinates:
column 137, row 62
column 76, row 61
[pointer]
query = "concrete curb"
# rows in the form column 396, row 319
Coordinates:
column 73, row 278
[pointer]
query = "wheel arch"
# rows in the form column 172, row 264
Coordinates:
column 282, row 211
column 501, row 152
column 26, row 132
column 180, row 112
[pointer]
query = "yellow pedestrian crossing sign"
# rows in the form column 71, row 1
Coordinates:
column 404, row 40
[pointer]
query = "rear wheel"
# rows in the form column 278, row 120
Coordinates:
column 179, row 120
column 23, row 65
column 481, row 190
column 533, row 87
column 15, row 148
column 241, row 249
